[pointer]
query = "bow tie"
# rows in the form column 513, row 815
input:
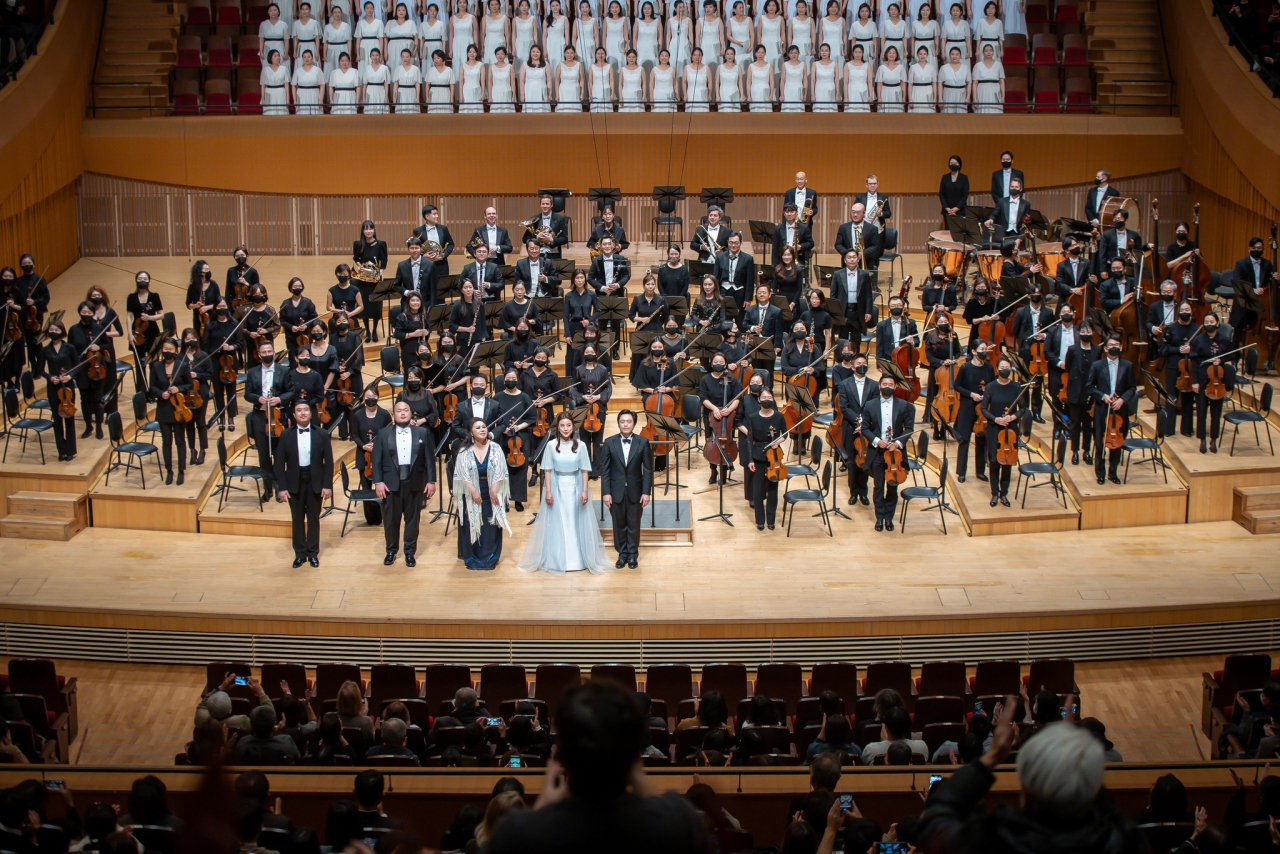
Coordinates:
column 626, row 441
column 302, row 430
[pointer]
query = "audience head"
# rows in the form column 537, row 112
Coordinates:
column 499, row 806
column 394, row 732
column 1061, row 771
column 248, row 820
column 350, row 698
column 306, row 841
column 508, row 784
column 896, row 724
column 601, row 735
column 473, row 737
column 342, row 825
column 99, row 822
column 1047, row 708
column 970, row 746
column 397, row 710
column 704, row 799
column 712, row 709
column 824, row 772
column 148, row 800
column 817, row 804
column 838, row 730
column 520, row 733
column 763, row 712
column 368, row 788
column 829, row 702
column 253, row 785
column 262, row 720
column 331, row 729
column 886, row 699
column 463, row 828
column 1168, row 799
column 899, row 753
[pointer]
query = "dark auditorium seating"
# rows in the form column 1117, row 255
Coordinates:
column 1239, row 673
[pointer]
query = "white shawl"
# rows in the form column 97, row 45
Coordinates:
column 464, row 472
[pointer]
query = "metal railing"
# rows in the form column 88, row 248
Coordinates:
column 1237, row 40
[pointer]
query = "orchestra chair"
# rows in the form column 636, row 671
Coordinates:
column 1015, row 50
column 353, row 496
column 255, row 14
column 928, row 493
column 1046, row 95
column 247, row 53
column 1078, row 94
column 217, row 96
column 219, row 55
column 811, row 469
column 199, row 14
column 144, row 424
column 691, row 424
column 248, row 103
column 1152, row 448
column 390, row 358
column 228, row 13
column 1053, row 468
column 1066, row 12
column 1165, row 836
column 501, row 682
column 1044, row 49
column 942, row 679
column 1015, row 94
column 1037, row 12
column 1254, row 417
column 1246, row 371
column 126, row 453
column 254, row 473
column 26, row 426
column 1075, row 48
column 794, row 497
column 915, row 462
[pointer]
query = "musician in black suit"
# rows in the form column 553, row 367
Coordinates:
column 736, row 272
column 1029, row 322
column 792, row 232
column 1006, row 220
column 873, row 197
column 239, row 273
column 489, row 233
column 413, row 275
column 1078, row 365
column 484, row 275
column 264, row 386
column 475, row 406
column 170, row 377
column 761, row 317
column 803, row 197
column 366, row 422
column 626, row 481
column 609, row 272
column 537, row 272
column 1258, row 273
column 304, row 474
column 1058, row 342
column 1162, row 313
column 847, row 236
column 893, row 329
column 853, row 393
column 1112, row 387
column 1117, row 288
column 1118, row 240
column 853, row 288
column 550, row 223
column 885, row 422
column 1094, row 200
column 404, row 470
column 1073, row 272
column 1003, row 178
column 710, row 238
column 611, row 227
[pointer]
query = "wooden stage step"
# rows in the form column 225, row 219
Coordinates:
column 1257, row 508
column 45, row 515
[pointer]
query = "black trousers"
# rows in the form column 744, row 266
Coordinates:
column 857, row 475
column 626, row 527
column 304, row 510
column 11, row 370
column 1000, row 476
column 1112, row 464
column 64, row 431
column 979, row 454
column 91, row 402
column 1079, row 413
column 169, row 433
column 764, row 495
column 748, row 483
column 1182, row 404
column 224, row 400
column 256, row 424
column 595, row 444
column 197, row 431
column 403, row 504
column 1037, row 398
column 35, row 357
column 885, row 495
column 1211, row 408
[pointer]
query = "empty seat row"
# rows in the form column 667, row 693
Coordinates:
column 1045, row 50
column 50, row 712
column 218, row 52
column 226, row 13
column 217, row 99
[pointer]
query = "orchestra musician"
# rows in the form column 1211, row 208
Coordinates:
column 348, row 351
column 707, row 314
column 1012, row 266
column 1162, row 313
column 1079, row 365
column 141, row 305
column 736, row 271
column 710, row 238
column 549, row 228
column 941, row 349
column 953, row 191
column 536, row 272
column 762, row 429
column 884, row 423
column 609, row 275
column 805, row 199
column 541, row 383
column 972, row 380
column 610, row 227
column 791, row 232
column 853, row 288
column 593, row 387
column 410, row 327
column 1112, row 387
column 939, row 290
column 1073, row 272
column 296, row 314
column 1216, row 341
column 170, row 377
column 1259, row 273
column 478, row 405
column 1058, row 341
column 422, row 403
column 104, row 314
column 302, row 384
column 859, row 234
column 518, row 354
column 343, row 298
column 718, row 391
column 413, row 275
column 1002, row 406
column 763, row 318
column 467, row 323
column 515, row 418
column 1095, row 198
column 877, row 201
column 371, row 250
column 304, row 474
column 432, row 231
column 11, row 302
column 1029, row 322
column 367, row 421
column 789, row 277
column 798, row 357
column 1182, row 244
column 484, row 276
column 520, row 307
column 81, row 338
column 817, row 321
column 495, row 236
column 1006, row 221
column 894, row 328
column 855, row 393
column 445, row 376
column 239, row 276
column 202, row 371
column 404, row 470
column 221, row 337
column 980, row 308
column 264, row 388
column 1002, row 179
column 1120, row 243
column 1181, row 340
column 57, row 361
column 202, row 293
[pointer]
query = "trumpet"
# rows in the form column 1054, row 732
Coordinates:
column 715, row 248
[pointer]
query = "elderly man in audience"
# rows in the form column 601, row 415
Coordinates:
column 216, row 705
column 466, row 710
column 394, row 733
column 266, row 745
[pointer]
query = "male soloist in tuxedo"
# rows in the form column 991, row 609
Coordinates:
column 803, row 197
column 626, row 481
column 854, row 393
column 484, row 274
column 792, row 232
column 884, row 423
column 1003, row 178
column 404, row 470
column 711, row 237
column 553, row 223
column 432, row 231
column 537, row 272
column 264, row 385
column 489, row 233
column 413, row 275
column 304, row 474
column 848, row 235
column 1101, row 191
column 1005, row 222
column 852, row 287
column 736, row 272
column 1112, row 387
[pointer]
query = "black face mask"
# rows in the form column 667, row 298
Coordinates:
column 656, row 354
column 446, row 348
column 1068, row 319
column 142, row 286
column 297, row 292
column 28, row 268
column 1036, row 299
column 766, row 404
column 317, row 336
column 590, row 360
column 191, row 345
column 860, row 370
column 954, row 167
column 982, row 355
column 896, row 312
column 980, row 293
column 55, row 334
column 1113, row 351
column 168, row 355
column 241, row 261
column 1255, row 253
column 1004, row 373
column 756, row 388
column 96, row 300
column 540, row 364
column 1097, row 182
column 522, row 334
column 414, row 385
column 477, row 391
column 846, row 357
column 672, row 330
column 343, row 328
column 222, row 313
column 1118, row 275
column 717, row 368
column 1006, row 163
column 799, row 336
column 510, row 383
column 1014, row 192
column 86, row 319
column 1167, row 297
column 944, row 327
column 1184, row 316
column 1210, row 330
column 371, row 402
column 267, row 360
column 1181, row 235
column 342, row 280
column 207, row 275
column 886, row 393
column 258, row 299
column 1075, row 250
column 303, row 363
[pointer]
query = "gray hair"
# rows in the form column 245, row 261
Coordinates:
column 393, row 732
column 1062, row 768
column 465, row 699
column 219, row 705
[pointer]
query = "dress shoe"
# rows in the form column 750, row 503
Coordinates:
column 279, row 500
column 88, row 431
column 759, row 527
column 519, row 506
column 866, row 502
column 982, row 477
column 182, row 475
column 1114, row 479
column 712, row 479
column 389, row 559
column 879, row 524
column 231, row 428
column 1213, row 446
column 195, row 455
column 1075, row 458
column 1088, row 458
column 266, row 496
column 1101, row 480
column 314, row 561
column 844, row 467
column 297, row 562
column 960, row 478
column 200, row 459
column 1204, row 448
column 994, row 500
column 633, row 563
column 888, row 524
column 533, row 480
column 97, row 432
column 168, row 478
column 593, row 477
column 853, row 500
column 1037, row 419
column 770, row 526
column 410, row 560
column 1188, row 435
column 621, row 562
column 1004, row 500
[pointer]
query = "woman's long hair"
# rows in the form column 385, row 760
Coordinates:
column 565, row 416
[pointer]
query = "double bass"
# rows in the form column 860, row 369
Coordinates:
column 907, row 357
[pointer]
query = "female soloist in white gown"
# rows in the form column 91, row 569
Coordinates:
column 566, row 536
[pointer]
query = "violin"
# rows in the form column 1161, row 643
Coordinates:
column 835, row 433
column 895, row 466
column 593, row 424
column 1114, row 438
column 515, row 450
column 860, row 446
column 540, row 427
column 96, row 369
column 449, row 404
column 139, row 332
column 12, row 325
column 1007, row 443
column 227, row 367
column 322, row 410
column 775, row 467
column 66, row 401
column 980, row 420
column 1185, row 379
column 195, row 399
column 274, row 425
column 181, row 410
column 1215, row 389
column 239, row 294
column 32, row 322
column 368, row 459
column 1037, row 365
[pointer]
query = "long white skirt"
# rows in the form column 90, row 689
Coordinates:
column 566, row 537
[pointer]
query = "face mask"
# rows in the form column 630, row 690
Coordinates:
column 510, row 383
column 1113, row 351
column 190, row 345
column 944, row 327
column 222, row 313
column 1255, row 253
column 1118, row 275
column 168, row 355
column 540, row 363
column 55, row 334
column 756, row 388
column 982, row 355
column 28, row 268
column 86, row 319
column 656, row 354
column 1097, row 182
column 414, row 385
column 1068, row 319
column 267, row 359
column 1015, row 192
column 304, row 362
column 955, row 167
column 846, row 357
column 96, row 300
column 371, row 402
column 142, row 286
column 343, row 328
column 258, row 299
column 766, row 404
column 1036, row 299
column 477, row 391
column 296, row 291
column 1184, row 316
column 799, row 336
column 522, row 334
column 1006, row 163
column 1181, row 235
column 207, row 275
column 446, row 348
column 717, row 367
column 1167, row 297
column 671, row 330
column 981, row 292
column 1004, row 373
column 1075, row 250
column 896, row 312
column 342, row 280
column 590, row 360
column 860, row 370
column 886, row 393
column 1210, row 330
column 241, row 260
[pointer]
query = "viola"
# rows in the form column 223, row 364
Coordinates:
column 1215, row 389
column 139, row 332
column 12, row 325
column 1114, row 438
column 239, row 294
column 66, row 401
column 860, row 445
column 515, row 450
column 96, row 369
column 1062, row 387
column 895, row 466
column 1184, row 380
column 980, row 420
column 1037, row 365
column 368, row 459
column 541, row 426
column 1007, row 444
column 274, row 425
column 775, row 466
column 181, row 410
column 195, row 399
column 346, row 393
column 32, row 322
column 322, row 411
column 449, row 405
column 227, row 367
column 592, row 423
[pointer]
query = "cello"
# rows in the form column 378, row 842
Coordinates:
column 946, row 400
column 660, row 403
column 790, row 413
column 722, row 450
column 907, row 357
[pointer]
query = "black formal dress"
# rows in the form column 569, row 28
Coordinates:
column 626, row 474
column 303, row 468
column 56, row 358
column 953, row 193
column 761, row 430
column 1001, row 399
column 971, row 379
column 365, row 427
column 593, row 380
column 515, row 409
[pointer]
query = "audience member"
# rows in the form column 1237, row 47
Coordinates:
column 979, row 725
column 800, row 839
column 1099, row 731
column 368, row 789
column 1167, row 801
column 306, row 841
column 254, row 785
column 149, row 804
column 898, row 754
column 99, row 823
column 466, row 710
column 711, row 711
column 17, row 822
column 824, row 773
column 498, row 807
column 705, row 800
column 266, row 745
column 342, row 824
column 895, row 726
column 297, row 715
column 330, row 742
column 1268, row 796
column 596, row 793
column 10, row 752
column 209, row 746
column 248, row 825
column 394, row 733
column 1207, row 838
column 353, row 710
column 646, row 707
column 1252, row 717
column 462, row 829
column 508, row 784
column 217, row 705
column 762, row 712
column 835, row 736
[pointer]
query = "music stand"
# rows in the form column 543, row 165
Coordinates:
column 491, row 310
column 762, row 232
column 669, row 429
column 489, row 354
column 720, row 196
column 386, row 287
column 981, row 212
column 605, row 197
column 706, row 348
column 550, row 311
column 668, row 196
column 564, row 268
column 823, row 274
column 1039, row 224
column 641, row 339
column 763, row 358
column 678, row 306
column 698, row 269
column 438, row 317
column 720, row 484
column 550, row 342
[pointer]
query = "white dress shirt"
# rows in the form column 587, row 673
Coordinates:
column 431, row 233
column 1006, row 175
column 1113, row 368
column 304, row 446
column 899, row 328
column 886, row 417
column 1257, row 272
column 607, row 264
column 1012, row 218
column 492, row 232
column 414, row 265
column 268, row 377
column 404, row 445
column 626, row 449
column 1122, row 237
column 1067, row 340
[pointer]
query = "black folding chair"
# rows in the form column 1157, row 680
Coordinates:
column 353, row 496
column 239, row 471
column 126, row 453
column 1254, row 417
column 929, row 493
column 794, row 497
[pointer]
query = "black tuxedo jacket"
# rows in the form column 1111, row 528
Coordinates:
column 422, row 459
column 744, row 275
column 253, row 384
column 1109, row 245
column 804, row 236
column 461, row 426
column 1001, row 216
column 286, row 460
column 406, row 283
column 701, row 244
column 997, row 183
column 621, row 274
column 489, row 279
column 904, row 421
column 842, row 287
column 1022, row 327
column 559, row 233
column 446, row 243
column 810, row 199
column 616, row 231
column 770, row 323
column 851, row 405
column 631, row 479
column 1244, row 271
column 530, row 278
column 886, row 212
column 1064, row 281
column 871, row 245
column 481, row 235
column 1099, row 383
column 1109, row 293
column 1093, row 201
column 884, row 337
